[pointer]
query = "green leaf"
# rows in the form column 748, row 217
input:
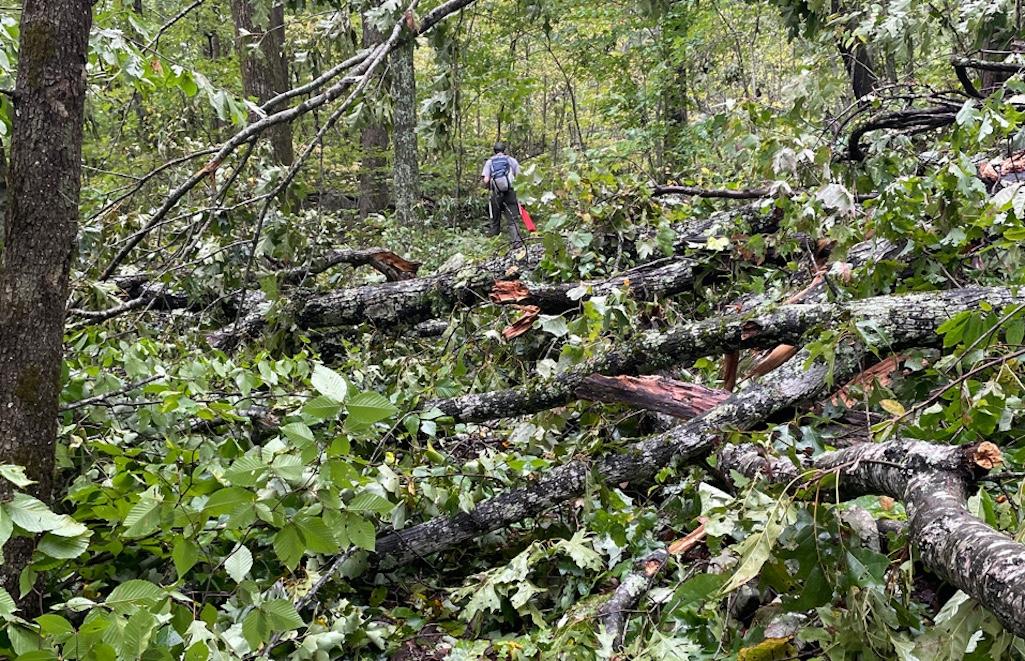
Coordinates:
column 322, row 408
column 32, row 515
column 318, row 536
column 298, row 433
column 239, row 563
column 754, row 551
column 198, row 652
column 132, row 594
column 137, row 634
column 368, row 501
column 64, row 548
column 555, row 325
column 7, row 605
column 227, row 500
column 144, row 517
column 281, row 615
column 366, row 408
column 329, row 383
column 289, row 546
column 184, row 555
column 54, row 625
column 360, row 532
column 256, row 628
column 15, row 474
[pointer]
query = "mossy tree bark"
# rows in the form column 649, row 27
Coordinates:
column 41, row 226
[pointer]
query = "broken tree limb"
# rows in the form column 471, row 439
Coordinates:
column 417, row 299
column 652, row 351
column 721, row 193
column 661, row 278
column 655, row 393
column 613, row 613
column 934, row 482
column 393, row 267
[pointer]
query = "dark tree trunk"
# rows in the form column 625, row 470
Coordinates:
column 261, row 51
column 858, row 60
column 373, row 181
column 41, row 226
column 406, row 171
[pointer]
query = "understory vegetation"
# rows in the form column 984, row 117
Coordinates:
column 754, row 388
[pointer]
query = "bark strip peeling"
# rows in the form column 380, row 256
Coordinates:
column 934, row 482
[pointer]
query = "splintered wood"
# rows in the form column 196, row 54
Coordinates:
column 524, row 323
column 394, row 267
column 655, row 393
column 509, row 291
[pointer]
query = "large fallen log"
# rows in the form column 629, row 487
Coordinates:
column 415, row 300
column 652, row 351
column 647, row 353
column 405, row 302
column 393, row 267
column 143, row 294
column 906, row 320
column 934, row 482
column 638, row 463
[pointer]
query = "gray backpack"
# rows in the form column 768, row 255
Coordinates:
column 500, row 172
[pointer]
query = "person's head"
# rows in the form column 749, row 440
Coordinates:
column 499, row 147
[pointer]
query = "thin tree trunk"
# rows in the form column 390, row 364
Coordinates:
column 406, row 169
column 41, row 226
column 261, row 48
column 373, row 184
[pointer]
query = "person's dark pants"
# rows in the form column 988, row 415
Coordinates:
column 505, row 202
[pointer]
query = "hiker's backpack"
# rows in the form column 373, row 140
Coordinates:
column 500, row 167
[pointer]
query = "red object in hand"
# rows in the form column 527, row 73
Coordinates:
column 527, row 221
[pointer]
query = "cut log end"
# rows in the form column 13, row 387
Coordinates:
column 986, row 456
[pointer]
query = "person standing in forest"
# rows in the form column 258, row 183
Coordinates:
column 499, row 173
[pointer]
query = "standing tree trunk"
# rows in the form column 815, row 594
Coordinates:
column 41, row 226
column 406, row 172
column 373, row 183
column 858, row 60
column 261, row 51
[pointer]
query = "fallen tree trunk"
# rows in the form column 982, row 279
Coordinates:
column 638, row 463
column 661, row 278
column 653, row 351
column 934, row 482
column 157, row 296
column 393, row 267
column 644, row 354
column 907, row 320
column 392, row 303
column 415, row 300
